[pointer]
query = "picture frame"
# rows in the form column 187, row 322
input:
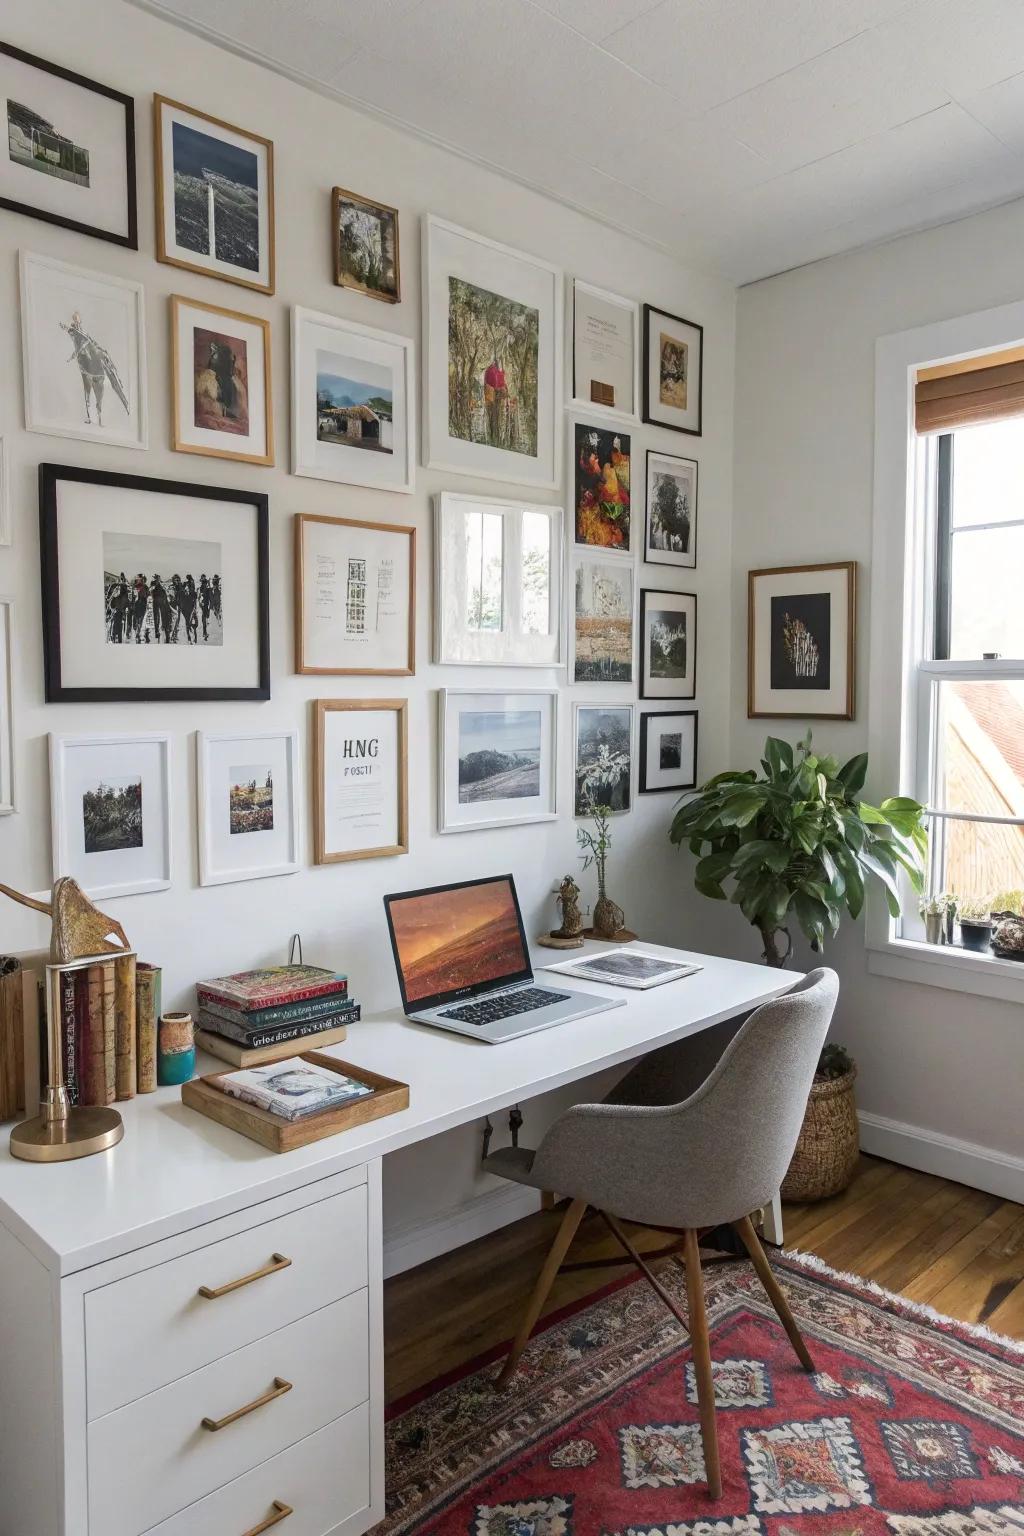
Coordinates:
column 355, row 592
column 668, row 644
column 110, row 811
column 505, row 617
column 360, row 779
column 7, row 735
column 196, row 157
column 668, row 750
column 673, row 356
column 83, row 353
column 83, row 133
column 602, row 758
column 497, row 757
column 112, row 638
column 602, row 498
column 802, row 641
column 221, row 383
column 604, row 338
column 670, row 523
column 6, row 529
column 602, row 623
column 474, row 420
column 248, row 802
column 365, row 244
column 353, row 403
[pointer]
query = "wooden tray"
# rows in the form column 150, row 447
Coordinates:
column 388, row 1097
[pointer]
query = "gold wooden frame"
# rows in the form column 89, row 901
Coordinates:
column 177, row 300
column 339, row 193
column 850, row 567
column 321, row 708
column 301, row 519
column 159, row 102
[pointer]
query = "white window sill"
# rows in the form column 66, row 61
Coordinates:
column 945, row 965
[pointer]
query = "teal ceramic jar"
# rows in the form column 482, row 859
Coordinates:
column 175, row 1049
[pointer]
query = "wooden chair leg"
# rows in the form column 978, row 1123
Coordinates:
column 750, row 1240
column 559, row 1248
column 638, row 1259
column 701, row 1343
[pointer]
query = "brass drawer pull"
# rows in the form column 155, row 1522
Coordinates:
column 279, row 1389
column 277, row 1263
column 281, row 1512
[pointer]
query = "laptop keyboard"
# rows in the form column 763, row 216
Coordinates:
column 489, row 1009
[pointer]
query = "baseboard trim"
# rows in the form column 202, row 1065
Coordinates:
column 997, row 1173
column 417, row 1241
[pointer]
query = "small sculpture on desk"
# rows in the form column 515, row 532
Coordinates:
column 568, row 936
column 78, row 928
column 609, row 918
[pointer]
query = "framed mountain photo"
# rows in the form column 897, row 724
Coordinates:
column 801, row 641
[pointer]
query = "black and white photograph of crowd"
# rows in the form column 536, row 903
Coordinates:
column 162, row 591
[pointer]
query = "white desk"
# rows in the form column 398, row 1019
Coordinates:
column 100, row 1262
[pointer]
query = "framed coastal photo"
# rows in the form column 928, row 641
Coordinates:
column 603, row 621
column 801, row 641
column 353, row 403
column 355, row 597
column 668, row 751
column 498, row 582
column 152, row 589
column 221, row 383
column 605, row 351
column 248, row 803
column 214, row 196
column 603, row 759
column 601, row 487
column 673, row 371
column 365, row 237
column 360, row 779
column 498, row 758
column 493, row 383
column 6, row 706
column 668, row 645
column 83, row 353
column 70, row 149
column 671, row 528
column 110, row 811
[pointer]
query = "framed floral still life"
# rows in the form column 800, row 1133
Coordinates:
column 248, row 801
column 220, row 383
column 605, row 341
column 668, row 645
column 355, row 597
column 498, row 758
column 110, row 806
column 365, row 235
column 673, row 371
column 360, row 779
column 668, row 751
column 601, row 487
column 801, row 641
column 671, row 528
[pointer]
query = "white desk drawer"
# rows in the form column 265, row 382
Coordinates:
column 154, row 1456
column 153, row 1327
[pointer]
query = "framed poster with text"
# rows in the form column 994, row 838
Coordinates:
column 360, row 779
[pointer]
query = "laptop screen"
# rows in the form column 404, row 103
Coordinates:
column 454, row 941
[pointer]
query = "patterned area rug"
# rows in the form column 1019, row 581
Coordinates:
column 911, row 1426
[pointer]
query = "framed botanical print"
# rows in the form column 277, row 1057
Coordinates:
column 360, row 779
column 221, row 383
column 83, row 353
column 110, row 806
column 673, row 371
column 498, row 758
column 603, row 621
column 601, row 487
column 248, row 792
column 355, row 597
column 214, row 196
column 6, row 706
column 493, row 384
column 603, row 759
column 152, row 589
column 353, row 403
column 668, row 645
column 671, row 529
column 605, row 351
column 668, row 750
column 70, row 149
column 498, row 580
column 365, row 236
column 801, row 641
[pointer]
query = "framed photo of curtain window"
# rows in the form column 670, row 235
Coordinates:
column 110, row 805
column 668, row 750
column 668, row 645
column 673, row 371
column 248, row 793
column 801, row 641
column 360, row 779
column 498, row 758
column 355, row 597
column 605, row 340
column 221, row 383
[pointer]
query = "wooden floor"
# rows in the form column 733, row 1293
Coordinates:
column 960, row 1251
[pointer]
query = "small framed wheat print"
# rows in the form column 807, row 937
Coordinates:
column 801, row 641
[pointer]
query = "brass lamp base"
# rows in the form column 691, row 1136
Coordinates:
column 81, row 1132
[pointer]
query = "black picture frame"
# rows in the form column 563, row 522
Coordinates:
column 654, row 592
column 643, row 787
column 661, row 559
column 657, row 421
column 50, row 477
column 130, row 240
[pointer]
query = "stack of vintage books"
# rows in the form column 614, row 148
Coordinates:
column 266, row 1015
column 108, row 1032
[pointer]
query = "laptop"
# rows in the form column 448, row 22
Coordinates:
column 463, row 963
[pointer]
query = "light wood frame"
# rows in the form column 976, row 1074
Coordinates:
column 342, row 194
column 321, row 708
column 177, row 300
column 301, row 519
column 850, row 567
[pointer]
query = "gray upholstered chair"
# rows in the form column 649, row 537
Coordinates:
column 684, row 1152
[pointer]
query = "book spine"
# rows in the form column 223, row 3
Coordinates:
column 109, row 1018
column 272, row 999
column 124, row 1027
column 68, row 1058
column 82, row 1034
column 95, row 1071
column 254, row 1039
column 286, row 1013
column 147, row 1012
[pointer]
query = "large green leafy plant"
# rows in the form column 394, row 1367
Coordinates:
column 798, row 843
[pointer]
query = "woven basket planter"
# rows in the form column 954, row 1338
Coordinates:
column 829, row 1142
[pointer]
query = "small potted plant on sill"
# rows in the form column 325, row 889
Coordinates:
column 975, row 917
column 933, row 911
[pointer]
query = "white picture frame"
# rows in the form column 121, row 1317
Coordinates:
column 263, row 851
column 7, row 737
column 375, row 361
column 524, row 285
column 668, row 644
column 670, row 527
column 513, row 723
column 111, row 853
column 96, row 369
column 601, row 734
column 602, row 326
column 6, row 529
column 602, row 629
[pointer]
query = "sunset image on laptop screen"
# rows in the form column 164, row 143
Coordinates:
column 447, row 940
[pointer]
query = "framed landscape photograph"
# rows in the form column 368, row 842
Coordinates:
column 493, row 383
column 214, row 196
column 221, row 389
column 360, row 779
column 668, row 751
column 365, row 238
column 110, row 808
column 603, row 760
column 355, row 597
column 6, row 706
column 248, row 803
column 801, row 641
column 498, row 758
column 673, row 371
column 601, row 487
column 83, row 353
column 671, row 529
column 498, row 582
column 605, row 351
column 668, row 645
column 353, row 403
column 152, row 589
column 70, row 149
column 603, row 621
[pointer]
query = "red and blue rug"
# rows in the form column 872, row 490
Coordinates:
column 912, row 1425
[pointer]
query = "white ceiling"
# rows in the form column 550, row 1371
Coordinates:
column 747, row 136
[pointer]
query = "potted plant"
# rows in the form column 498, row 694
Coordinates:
column 609, row 917
column 975, row 916
column 933, row 909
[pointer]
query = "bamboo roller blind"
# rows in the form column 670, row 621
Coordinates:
column 967, row 393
